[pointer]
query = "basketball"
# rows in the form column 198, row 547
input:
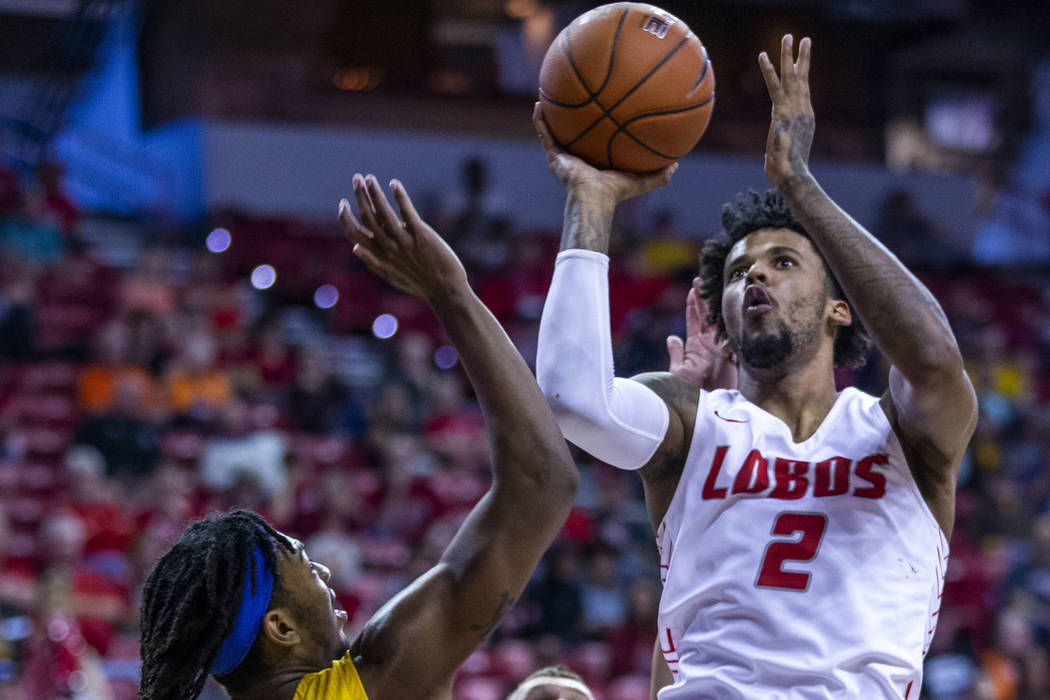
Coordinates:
column 627, row 86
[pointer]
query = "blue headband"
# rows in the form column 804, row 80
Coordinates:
column 249, row 617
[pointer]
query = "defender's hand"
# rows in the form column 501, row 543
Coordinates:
column 408, row 254
column 606, row 186
column 701, row 359
column 791, row 128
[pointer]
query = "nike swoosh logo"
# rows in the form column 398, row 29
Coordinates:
column 730, row 420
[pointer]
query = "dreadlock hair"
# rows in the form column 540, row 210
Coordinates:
column 191, row 599
column 751, row 213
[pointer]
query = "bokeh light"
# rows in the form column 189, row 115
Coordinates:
column 218, row 240
column 385, row 326
column 264, row 276
column 326, row 296
column 446, row 357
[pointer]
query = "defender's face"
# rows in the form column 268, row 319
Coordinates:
column 306, row 582
column 774, row 296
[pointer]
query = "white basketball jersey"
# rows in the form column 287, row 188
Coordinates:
column 797, row 570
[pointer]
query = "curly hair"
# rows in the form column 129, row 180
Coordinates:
column 191, row 599
column 750, row 213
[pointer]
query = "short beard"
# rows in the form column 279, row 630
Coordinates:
column 766, row 351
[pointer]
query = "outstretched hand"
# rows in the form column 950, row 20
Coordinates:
column 611, row 186
column 701, row 359
column 791, row 128
column 403, row 250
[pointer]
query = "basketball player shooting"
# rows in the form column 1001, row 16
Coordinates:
column 243, row 602
column 803, row 533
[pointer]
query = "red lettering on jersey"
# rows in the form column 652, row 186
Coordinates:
column 877, row 479
column 753, row 476
column 670, row 642
column 791, row 481
column 670, row 654
column 831, row 477
column 710, row 492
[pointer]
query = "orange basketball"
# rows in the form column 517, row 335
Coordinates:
column 627, row 86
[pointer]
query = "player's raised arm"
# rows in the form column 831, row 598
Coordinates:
column 629, row 424
column 412, row 647
column 931, row 400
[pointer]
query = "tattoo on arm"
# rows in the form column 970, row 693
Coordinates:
column 898, row 310
column 799, row 132
column 586, row 226
column 506, row 602
column 681, row 398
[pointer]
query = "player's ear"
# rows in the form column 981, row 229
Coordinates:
column 281, row 628
column 841, row 314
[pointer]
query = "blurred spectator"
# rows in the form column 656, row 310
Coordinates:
column 632, row 642
column 950, row 672
column 148, row 286
column 97, row 502
column 60, row 663
column 109, row 368
column 123, row 433
column 665, row 250
column 904, row 229
column 17, row 316
column 269, row 354
column 16, row 576
column 478, row 218
column 602, row 592
column 1014, row 668
column 317, row 402
column 98, row 601
column 29, row 233
column 197, row 390
column 558, row 597
column 394, row 411
column 455, row 430
column 10, row 191
column 409, row 504
column 243, row 455
column 210, row 295
column 147, row 341
column 59, row 206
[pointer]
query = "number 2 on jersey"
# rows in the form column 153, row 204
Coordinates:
column 771, row 573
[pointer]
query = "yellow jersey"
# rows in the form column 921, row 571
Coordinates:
column 340, row 682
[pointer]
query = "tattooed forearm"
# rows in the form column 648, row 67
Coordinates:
column 900, row 313
column 796, row 134
column 506, row 602
column 587, row 225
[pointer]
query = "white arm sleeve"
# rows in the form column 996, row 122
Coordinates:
column 619, row 421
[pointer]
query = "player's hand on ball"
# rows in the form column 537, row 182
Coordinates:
column 791, row 128
column 403, row 250
column 608, row 186
column 701, row 360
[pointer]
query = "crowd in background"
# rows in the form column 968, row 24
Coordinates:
column 136, row 397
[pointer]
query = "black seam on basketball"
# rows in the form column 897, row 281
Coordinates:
column 592, row 96
column 608, row 112
column 568, row 54
column 605, row 114
column 545, row 96
column 648, row 75
column 703, row 74
column 623, row 129
column 612, row 53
